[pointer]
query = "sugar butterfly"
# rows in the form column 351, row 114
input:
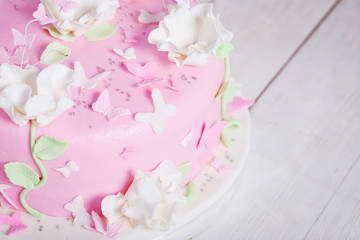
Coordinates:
column 68, row 168
column 210, row 135
column 187, row 139
column 82, row 80
column 103, row 106
column 238, row 103
column 14, row 221
column 100, row 226
column 147, row 73
column 40, row 15
column 81, row 217
column 66, row 5
column 13, row 57
column 21, row 40
column 146, row 17
column 162, row 111
column 8, row 200
column 127, row 54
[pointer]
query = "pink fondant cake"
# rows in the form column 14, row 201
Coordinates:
column 116, row 97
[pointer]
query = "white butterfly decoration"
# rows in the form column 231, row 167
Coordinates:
column 128, row 54
column 69, row 167
column 6, row 197
column 81, row 217
column 21, row 40
column 103, row 106
column 187, row 139
column 162, row 111
column 82, row 80
column 147, row 18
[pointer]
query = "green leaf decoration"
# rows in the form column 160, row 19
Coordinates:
column 225, row 132
column 228, row 91
column 224, row 50
column 22, row 175
column 184, row 169
column 48, row 148
column 55, row 33
column 54, row 53
column 190, row 191
column 101, row 32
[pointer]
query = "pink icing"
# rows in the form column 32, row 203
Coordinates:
column 95, row 143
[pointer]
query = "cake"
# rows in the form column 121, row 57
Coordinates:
column 110, row 109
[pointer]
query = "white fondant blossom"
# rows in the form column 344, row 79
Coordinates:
column 87, row 15
column 40, row 96
column 190, row 35
column 152, row 200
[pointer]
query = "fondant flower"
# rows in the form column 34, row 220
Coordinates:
column 30, row 94
column 80, row 17
column 152, row 199
column 190, row 35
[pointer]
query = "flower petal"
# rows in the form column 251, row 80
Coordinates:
column 54, row 81
column 12, row 74
column 45, row 118
column 39, row 104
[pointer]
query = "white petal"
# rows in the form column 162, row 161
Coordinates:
column 12, row 74
column 9, row 108
column 54, row 81
column 39, row 104
column 111, row 207
column 18, row 95
column 61, row 106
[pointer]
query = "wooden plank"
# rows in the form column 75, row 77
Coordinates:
column 305, row 141
column 266, row 34
column 341, row 218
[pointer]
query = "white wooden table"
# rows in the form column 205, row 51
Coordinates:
column 300, row 59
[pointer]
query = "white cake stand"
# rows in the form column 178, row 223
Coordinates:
column 213, row 191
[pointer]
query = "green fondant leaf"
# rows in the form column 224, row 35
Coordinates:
column 224, row 49
column 21, row 174
column 54, row 53
column 47, row 148
column 190, row 191
column 225, row 132
column 101, row 32
column 227, row 91
column 184, row 169
column 53, row 32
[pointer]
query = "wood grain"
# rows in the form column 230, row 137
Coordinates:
column 302, row 176
column 266, row 34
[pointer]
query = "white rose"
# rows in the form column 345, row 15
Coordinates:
column 190, row 35
column 87, row 15
column 152, row 199
column 30, row 94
